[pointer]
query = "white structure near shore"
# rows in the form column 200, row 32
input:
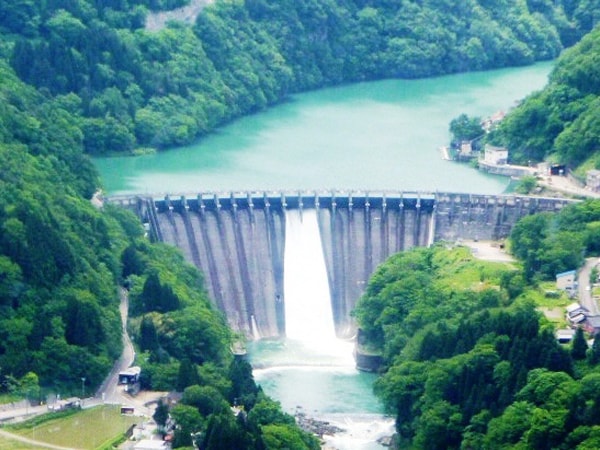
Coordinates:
column 495, row 160
column 495, row 155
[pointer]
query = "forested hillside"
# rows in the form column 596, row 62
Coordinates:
column 470, row 363
column 81, row 76
column 561, row 122
column 61, row 261
column 138, row 89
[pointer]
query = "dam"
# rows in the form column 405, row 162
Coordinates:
column 237, row 240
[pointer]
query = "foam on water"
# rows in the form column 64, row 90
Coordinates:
column 312, row 371
column 360, row 431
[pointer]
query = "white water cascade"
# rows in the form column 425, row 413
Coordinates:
column 312, row 372
column 308, row 313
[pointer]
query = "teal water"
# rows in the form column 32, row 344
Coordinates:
column 365, row 136
column 311, row 372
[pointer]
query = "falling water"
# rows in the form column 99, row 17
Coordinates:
column 255, row 332
column 308, row 316
column 312, row 371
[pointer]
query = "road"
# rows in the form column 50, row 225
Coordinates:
column 35, row 443
column 109, row 390
column 565, row 185
column 586, row 298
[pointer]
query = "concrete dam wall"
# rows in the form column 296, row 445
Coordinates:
column 237, row 240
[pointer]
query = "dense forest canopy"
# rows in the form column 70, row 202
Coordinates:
column 61, row 261
column 132, row 88
column 81, row 76
column 561, row 122
column 469, row 360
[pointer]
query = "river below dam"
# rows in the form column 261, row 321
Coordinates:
column 367, row 136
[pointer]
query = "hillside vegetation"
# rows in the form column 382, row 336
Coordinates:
column 131, row 88
column 561, row 122
column 84, row 76
column 61, row 260
column 469, row 361
column 81, row 76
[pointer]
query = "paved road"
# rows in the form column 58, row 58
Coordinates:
column 585, row 290
column 109, row 391
column 565, row 185
column 20, row 412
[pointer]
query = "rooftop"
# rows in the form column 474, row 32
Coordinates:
column 564, row 274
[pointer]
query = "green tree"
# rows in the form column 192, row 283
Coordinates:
column 465, row 128
column 207, row 399
column 579, row 345
column 188, row 375
column 151, row 292
column 509, row 428
column 224, row 431
column 527, row 238
column 148, row 336
column 594, row 352
column 189, row 421
column 526, row 185
column 29, row 386
column 132, row 262
column 11, row 282
column 82, row 320
column 161, row 414
column 266, row 411
column 439, row 427
column 277, row 436
column 244, row 389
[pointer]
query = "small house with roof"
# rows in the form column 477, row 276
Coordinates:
column 566, row 280
column 577, row 319
column 575, row 308
column 564, row 336
column 592, row 325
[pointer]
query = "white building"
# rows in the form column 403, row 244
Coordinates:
column 565, row 280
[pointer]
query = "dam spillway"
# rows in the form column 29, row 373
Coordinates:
column 237, row 240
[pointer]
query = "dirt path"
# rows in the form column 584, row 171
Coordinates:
column 187, row 14
column 16, row 437
column 488, row 251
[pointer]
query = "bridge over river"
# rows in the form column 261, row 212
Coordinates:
column 237, row 239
